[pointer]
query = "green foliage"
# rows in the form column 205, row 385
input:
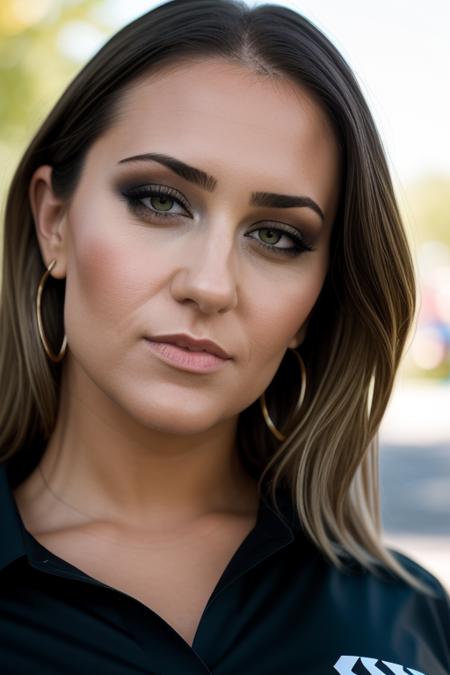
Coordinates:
column 429, row 201
column 34, row 69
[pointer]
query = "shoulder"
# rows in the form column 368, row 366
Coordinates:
column 424, row 616
column 430, row 611
column 439, row 596
column 382, row 598
column 393, row 586
column 371, row 613
column 376, row 602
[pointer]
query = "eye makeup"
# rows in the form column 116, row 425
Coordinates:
column 134, row 194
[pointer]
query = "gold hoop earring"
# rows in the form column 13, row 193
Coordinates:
column 54, row 357
column 262, row 399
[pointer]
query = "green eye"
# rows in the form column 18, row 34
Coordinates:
column 268, row 237
column 160, row 203
column 165, row 203
column 274, row 235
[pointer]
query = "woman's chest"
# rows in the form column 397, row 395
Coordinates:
column 175, row 581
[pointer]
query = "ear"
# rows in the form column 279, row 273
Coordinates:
column 50, row 220
column 299, row 336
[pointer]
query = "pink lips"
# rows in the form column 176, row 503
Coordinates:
column 187, row 341
column 202, row 362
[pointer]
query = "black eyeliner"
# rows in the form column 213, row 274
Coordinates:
column 143, row 190
column 133, row 194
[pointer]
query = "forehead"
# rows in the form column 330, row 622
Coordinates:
column 216, row 114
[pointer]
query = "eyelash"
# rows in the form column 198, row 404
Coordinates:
column 135, row 196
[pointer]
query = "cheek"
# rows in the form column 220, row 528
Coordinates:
column 108, row 278
column 279, row 313
column 284, row 304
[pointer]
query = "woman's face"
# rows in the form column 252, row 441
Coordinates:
column 203, row 259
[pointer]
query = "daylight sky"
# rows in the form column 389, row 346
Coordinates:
column 400, row 53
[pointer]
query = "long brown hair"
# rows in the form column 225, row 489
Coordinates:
column 360, row 323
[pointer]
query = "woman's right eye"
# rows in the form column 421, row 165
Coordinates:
column 160, row 200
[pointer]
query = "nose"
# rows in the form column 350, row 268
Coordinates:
column 207, row 275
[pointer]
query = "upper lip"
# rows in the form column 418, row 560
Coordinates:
column 185, row 340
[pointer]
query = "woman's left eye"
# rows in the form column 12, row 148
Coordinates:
column 299, row 245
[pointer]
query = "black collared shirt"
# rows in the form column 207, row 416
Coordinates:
column 279, row 608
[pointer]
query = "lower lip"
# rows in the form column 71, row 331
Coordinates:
column 195, row 362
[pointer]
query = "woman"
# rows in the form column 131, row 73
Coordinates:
column 211, row 181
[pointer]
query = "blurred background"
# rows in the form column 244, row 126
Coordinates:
column 400, row 53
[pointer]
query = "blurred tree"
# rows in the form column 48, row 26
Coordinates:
column 427, row 208
column 35, row 66
column 425, row 205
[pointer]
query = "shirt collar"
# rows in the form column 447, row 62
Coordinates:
column 271, row 529
column 12, row 544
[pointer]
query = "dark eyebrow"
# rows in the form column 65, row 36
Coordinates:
column 207, row 182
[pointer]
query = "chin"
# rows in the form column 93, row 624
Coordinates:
column 179, row 421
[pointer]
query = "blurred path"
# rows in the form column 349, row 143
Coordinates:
column 415, row 474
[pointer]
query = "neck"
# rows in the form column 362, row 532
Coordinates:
column 104, row 461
